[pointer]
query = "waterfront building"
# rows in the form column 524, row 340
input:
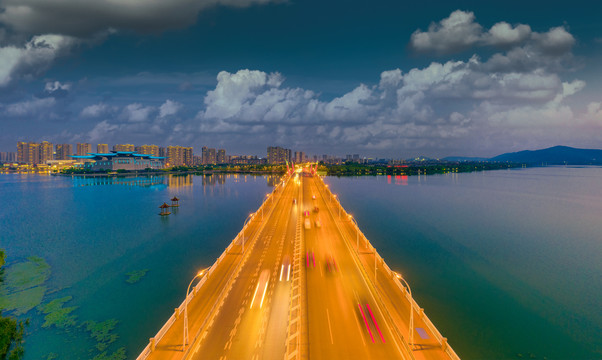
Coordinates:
column 221, row 156
column 162, row 152
column 147, row 149
column 209, row 156
column 63, row 152
column 84, row 149
column 46, row 152
column 28, row 152
column 123, row 147
column 179, row 156
column 102, row 148
column 120, row 160
column 8, row 157
column 278, row 155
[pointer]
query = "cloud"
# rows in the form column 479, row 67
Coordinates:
column 30, row 107
column 137, row 112
column 96, row 110
column 169, row 108
column 459, row 32
column 455, row 33
column 84, row 19
column 33, row 58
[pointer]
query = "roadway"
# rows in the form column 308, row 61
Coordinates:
column 244, row 310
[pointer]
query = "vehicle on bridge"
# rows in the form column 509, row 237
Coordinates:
column 294, row 201
column 307, row 224
column 316, row 209
column 318, row 223
column 261, row 289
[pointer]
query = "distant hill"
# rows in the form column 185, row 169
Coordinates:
column 557, row 155
column 464, row 158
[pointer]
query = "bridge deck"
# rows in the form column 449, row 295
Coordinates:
column 308, row 285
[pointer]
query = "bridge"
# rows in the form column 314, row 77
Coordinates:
column 300, row 281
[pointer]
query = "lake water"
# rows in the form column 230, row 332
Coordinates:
column 506, row 263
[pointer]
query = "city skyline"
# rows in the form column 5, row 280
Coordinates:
column 459, row 78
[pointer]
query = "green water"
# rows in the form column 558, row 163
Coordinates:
column 505, row 263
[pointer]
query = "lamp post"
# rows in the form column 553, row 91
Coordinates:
column 411, row 329
column 244, row 226
column 357, row 228
column 185, row 340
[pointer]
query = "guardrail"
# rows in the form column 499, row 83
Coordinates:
column 440, row 338
column 150, row 347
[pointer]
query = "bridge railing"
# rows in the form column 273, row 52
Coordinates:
column 429, row 324
column 149, row 348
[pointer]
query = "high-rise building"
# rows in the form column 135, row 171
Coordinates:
column 46, row 152
column 179, row 156
column 102, row 148
column 25, row 152
column 209, row 156
column 299, row 156
column 123, row 147
column 63, row 152
column 34, row 153
column 147, row 149
column 162, row 152
column 188, row 156
column 84, row 148
column 221, row 156
column 278, row 155
column 8, row 157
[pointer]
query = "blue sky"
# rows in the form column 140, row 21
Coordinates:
column 383, row 78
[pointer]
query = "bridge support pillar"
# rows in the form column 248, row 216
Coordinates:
column 444, row 344
column 176, row 313
column 421, row 311
column 152, row 343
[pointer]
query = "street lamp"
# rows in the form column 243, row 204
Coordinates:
column 411, row 329
column 185, row 340
column 244, row 226
column 357, row 228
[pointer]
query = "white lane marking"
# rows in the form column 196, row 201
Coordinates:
column 329, row 327
column 252, row 301
column 288, row 273
column 281, row 269
column 264, row 291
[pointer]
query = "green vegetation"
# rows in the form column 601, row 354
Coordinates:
column 101, row 332
column 135, row 276
column 11, row 330
column 117, row 355
column 23, row 287
column 57, row 315
column 353, row 169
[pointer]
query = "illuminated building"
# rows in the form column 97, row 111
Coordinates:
column 123, row 147
column 63, row 151
column 278, row 155
column 102, row 148
column 120, row 160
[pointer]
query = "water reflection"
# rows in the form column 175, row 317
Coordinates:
column 170, row 180
column 143, row 181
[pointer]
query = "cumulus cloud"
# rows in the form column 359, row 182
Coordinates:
column 33, row 33
column 84, row 19
column 425, row 107
column 33, row 58
column 137, row 112
column 459, row 32
column 169, row 108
